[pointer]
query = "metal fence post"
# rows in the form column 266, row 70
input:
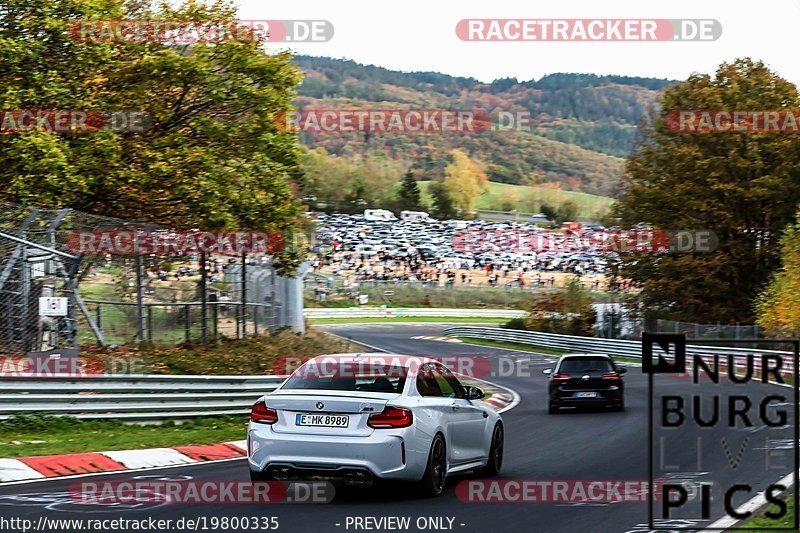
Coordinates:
column 187, row 325
column 150, row 323
column 139, row 297
column 203, row 305
column 244, row 295
column 212, row 298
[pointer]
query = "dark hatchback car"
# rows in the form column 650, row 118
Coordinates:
column 586, row 379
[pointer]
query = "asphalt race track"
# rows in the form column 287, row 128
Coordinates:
column 585, row 445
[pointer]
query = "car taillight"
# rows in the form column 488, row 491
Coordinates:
column 263, row 414
column 561, row 377
column 611, row 376
column 391, row 417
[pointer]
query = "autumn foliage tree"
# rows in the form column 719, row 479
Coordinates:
column 742, row 186
column 465, row 181
column 779, row 305
column 214, row 157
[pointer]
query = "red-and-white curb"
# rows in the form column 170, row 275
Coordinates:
column 47, row 466
column 500, row 400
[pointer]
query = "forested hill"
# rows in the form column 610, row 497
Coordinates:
column 582, row 124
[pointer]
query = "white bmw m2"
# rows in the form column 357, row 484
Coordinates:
column 356, row 418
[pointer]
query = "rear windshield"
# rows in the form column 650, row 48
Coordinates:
column 585, row 365
column 348, row 377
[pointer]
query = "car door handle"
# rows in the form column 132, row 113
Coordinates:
column 455, row 406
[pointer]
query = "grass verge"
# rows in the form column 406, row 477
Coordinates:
column 28, row 435
column 785, row 522
column 512, row 346
column 433, row 319
column 534, row 349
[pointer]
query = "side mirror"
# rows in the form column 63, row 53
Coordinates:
column 475, row 393
column 547, row 371
column 621, row 370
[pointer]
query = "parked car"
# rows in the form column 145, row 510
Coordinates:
column 585, row 379
column 355, row 418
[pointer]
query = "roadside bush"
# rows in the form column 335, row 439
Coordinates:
column 567, row 312
column 515, row 323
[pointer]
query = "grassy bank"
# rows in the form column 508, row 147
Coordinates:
column 254, row 356
column 528, row 199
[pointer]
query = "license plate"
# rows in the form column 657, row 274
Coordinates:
column 323, row 421
column 586, row 395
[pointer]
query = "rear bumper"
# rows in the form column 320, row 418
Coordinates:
column 293, row 456
column 338, row 475
column 604, row 397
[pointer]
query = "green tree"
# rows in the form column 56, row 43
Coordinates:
column 442, row 203
column 779, row 305
column 408, row 196
column 566, row 212
column 742, row 186
column 214, row 156
column 550, row 212
column 340, row 181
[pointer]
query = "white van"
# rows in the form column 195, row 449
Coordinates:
column 379, row 215
column 414, row 216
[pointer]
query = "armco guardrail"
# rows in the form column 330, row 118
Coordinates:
column 569, row 343
column 133, row 397
column 393, row 312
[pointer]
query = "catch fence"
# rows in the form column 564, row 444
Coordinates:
column 55, row 293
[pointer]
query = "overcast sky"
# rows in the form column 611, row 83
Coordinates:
column 420, row 35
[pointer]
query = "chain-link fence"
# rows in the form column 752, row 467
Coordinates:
column 59, row 289
column 710, row 331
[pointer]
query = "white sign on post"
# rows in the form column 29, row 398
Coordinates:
column 50, row 306
column 37, row 270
